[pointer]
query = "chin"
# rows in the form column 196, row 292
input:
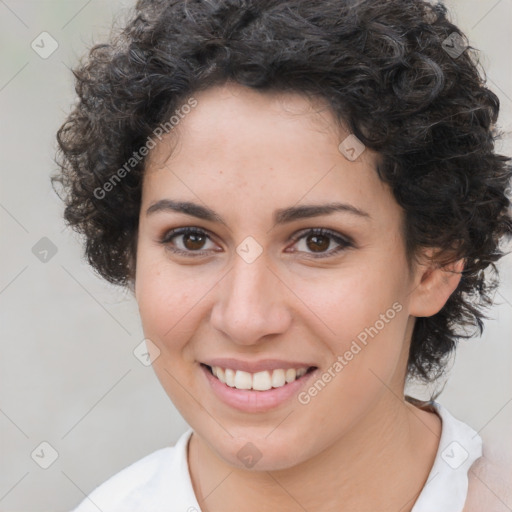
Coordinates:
column 260, row 452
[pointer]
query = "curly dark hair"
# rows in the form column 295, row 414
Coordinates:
column 384, row 68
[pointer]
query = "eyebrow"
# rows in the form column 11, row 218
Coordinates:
column 281, row 216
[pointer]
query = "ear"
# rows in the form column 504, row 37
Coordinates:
column 433, row 284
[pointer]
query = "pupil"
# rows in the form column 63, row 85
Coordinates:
column 195, row 239
column 323, row 246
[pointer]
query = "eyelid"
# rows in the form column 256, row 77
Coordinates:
column 322, row 231
column 172, row 233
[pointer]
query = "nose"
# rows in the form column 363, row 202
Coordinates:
column 251, row 303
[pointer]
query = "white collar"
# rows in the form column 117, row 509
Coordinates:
column 447, row 484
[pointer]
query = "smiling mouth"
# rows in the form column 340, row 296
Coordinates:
column 260, row 381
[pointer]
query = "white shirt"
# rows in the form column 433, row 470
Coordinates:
column 160, row 482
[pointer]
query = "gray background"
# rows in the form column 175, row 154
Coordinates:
column 67, row 370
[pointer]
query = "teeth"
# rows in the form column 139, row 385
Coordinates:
column 301, row 372
column 278, row 378
column 291, row 375
column 243, row 380
column 229, row 375
column 260, row 381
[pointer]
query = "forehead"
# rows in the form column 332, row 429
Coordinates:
column 252, row 148
column 227, row 114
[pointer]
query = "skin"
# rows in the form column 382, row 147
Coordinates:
column 245, row 154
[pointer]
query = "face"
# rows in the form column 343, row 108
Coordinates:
column 257, row 282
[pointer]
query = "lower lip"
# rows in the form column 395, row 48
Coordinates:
column 248, row 400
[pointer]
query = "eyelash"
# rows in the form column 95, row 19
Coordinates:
column 344, row 243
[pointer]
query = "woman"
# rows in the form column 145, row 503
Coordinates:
column 303, row 197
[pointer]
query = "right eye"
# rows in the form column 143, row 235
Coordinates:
column 191, row 241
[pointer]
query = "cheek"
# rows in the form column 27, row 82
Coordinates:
column 170, row 313
column 170, row 300
column 362, row 326
column 360, row 315
column 164, row 308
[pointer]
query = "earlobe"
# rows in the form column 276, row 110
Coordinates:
column 433, row 286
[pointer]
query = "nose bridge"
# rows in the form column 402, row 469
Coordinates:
column 250, row 304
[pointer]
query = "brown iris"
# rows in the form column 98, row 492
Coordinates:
column 322, row 246
column 193, row 241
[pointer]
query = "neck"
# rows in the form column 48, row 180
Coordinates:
column 382, row 463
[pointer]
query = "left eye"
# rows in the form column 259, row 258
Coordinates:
column 318, row 240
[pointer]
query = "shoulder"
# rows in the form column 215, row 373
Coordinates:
column 490, row 481
column 149, row 484
column 132, row 485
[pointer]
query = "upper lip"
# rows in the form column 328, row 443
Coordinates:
column 255, row 366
